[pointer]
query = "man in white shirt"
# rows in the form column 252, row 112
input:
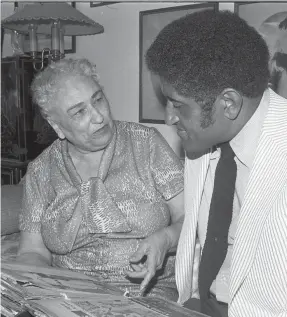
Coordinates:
column 213, row 70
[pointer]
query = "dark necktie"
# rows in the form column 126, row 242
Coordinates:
column 220, row 216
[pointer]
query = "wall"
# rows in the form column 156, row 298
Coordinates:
column 116, row 53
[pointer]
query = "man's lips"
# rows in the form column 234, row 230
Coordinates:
column 181, row 133
column 180, row 130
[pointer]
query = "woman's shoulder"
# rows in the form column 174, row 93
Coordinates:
column 135, row 130
column 43, row 160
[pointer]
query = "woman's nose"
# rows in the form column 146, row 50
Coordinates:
column 96, row 116
column 170, row 116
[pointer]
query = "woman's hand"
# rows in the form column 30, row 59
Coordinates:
column 152, row 251
column 149, row 257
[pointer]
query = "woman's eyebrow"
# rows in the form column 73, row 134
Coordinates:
column 82, row 102
column 77, row 105
column 96, row 93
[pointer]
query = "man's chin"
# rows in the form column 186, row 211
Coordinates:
column 195, row 155
column 192, row 151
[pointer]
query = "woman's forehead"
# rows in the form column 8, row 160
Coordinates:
column 75, row 90
column 77, row 81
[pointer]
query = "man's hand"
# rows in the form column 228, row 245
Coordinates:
column 149, row 257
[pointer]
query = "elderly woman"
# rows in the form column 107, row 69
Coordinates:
column 105, row 193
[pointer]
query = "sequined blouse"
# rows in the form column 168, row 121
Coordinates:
column 94, row 226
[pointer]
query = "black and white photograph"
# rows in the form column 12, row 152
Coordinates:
column 143, row 158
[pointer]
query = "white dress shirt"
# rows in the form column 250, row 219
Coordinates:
column 243, row 145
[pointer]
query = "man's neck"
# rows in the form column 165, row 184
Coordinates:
column 282, row 85
column 249, row 107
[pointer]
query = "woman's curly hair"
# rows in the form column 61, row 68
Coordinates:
column 46, row 83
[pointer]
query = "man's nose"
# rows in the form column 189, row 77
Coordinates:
column 171, row 117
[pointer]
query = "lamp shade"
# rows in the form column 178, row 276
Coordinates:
column 44, row 14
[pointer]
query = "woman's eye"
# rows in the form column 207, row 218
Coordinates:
column 98, row 99
column 80, row 112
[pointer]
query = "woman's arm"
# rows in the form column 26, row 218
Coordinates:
column 176, row 207
column 157, row 245
column 32, row 250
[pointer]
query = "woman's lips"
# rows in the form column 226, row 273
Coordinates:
column 102, row 130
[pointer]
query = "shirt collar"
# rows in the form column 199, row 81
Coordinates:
column 245, row 142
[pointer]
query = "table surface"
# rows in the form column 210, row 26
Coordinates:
column 12, row 265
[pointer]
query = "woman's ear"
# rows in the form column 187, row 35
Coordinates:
column 57, row 129
column 232, row 101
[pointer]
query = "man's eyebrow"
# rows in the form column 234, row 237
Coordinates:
column 171, row 99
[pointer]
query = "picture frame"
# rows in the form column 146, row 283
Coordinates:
column 94, row 4
column 256, row 15
column 2, row 39
column 151, row 101
column 44, row 40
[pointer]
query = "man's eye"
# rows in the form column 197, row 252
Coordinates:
column 177, row 105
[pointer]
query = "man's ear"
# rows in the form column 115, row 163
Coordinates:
column 57, row 129
column 231, row 101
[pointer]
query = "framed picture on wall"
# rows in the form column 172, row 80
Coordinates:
column 266, row 17
column 44, row 40
column 2, row 39
column 100, row 3
column 151, row 101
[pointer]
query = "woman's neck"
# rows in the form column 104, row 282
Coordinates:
column 86, row 163
column 87, row 156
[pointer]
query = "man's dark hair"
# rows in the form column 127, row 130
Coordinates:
column 203, row 53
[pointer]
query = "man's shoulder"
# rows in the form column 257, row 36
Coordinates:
column 276, row 120
column 277, row 102
column 275, row 96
